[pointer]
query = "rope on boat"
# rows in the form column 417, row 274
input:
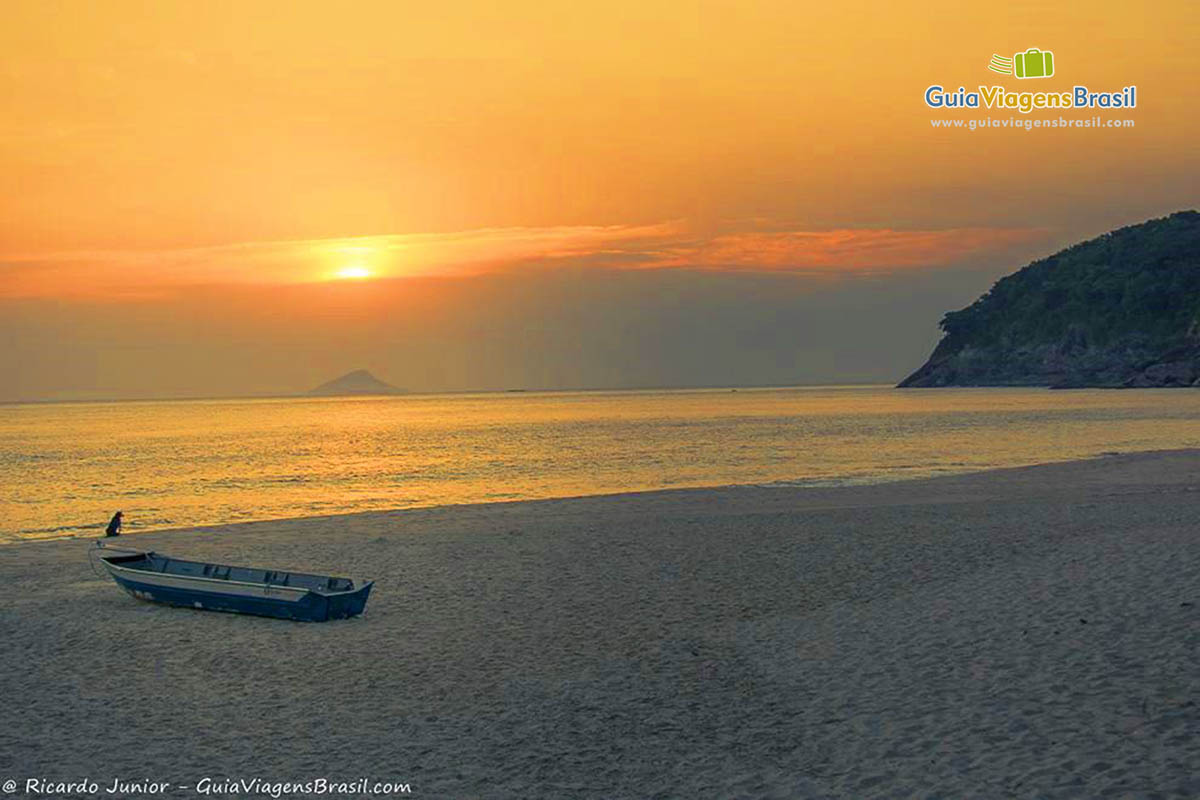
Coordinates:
column 102, row 546
column 92, row 560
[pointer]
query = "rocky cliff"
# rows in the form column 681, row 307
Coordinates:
column 1121, row 310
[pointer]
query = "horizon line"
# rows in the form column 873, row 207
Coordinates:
column 405, row 393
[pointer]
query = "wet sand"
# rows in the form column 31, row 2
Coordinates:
column 1031, row 632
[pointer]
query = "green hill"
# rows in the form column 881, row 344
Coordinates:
column 1122, row 309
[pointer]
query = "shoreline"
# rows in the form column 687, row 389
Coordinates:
column 802, row 485
column 1025, row 632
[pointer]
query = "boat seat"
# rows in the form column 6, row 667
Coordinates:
column 247, row 575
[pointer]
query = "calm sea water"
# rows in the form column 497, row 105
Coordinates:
column 64, row 469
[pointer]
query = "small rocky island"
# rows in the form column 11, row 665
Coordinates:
column 357, row 382
column 1121, row 310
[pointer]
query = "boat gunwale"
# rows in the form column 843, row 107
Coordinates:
column 225, row 581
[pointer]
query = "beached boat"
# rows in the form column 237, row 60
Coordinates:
column 245, row 590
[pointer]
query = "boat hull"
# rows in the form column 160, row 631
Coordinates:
column 264, row 599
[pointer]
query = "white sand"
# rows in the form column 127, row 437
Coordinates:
column 1022, row 633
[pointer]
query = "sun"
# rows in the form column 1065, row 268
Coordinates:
column 350, row 260
column 353, row 272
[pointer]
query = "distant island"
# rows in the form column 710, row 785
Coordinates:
column 357, row 382
column 1121, row 310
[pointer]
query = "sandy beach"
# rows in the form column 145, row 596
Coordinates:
column 1030, row 632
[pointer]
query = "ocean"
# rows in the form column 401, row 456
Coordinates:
column 65, row 468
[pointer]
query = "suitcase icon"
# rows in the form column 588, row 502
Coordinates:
column 1034, row 63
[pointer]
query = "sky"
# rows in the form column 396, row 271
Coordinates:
column 251, row 198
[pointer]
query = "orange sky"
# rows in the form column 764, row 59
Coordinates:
column 147, row 147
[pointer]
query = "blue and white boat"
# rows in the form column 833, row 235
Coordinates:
column 246, row 590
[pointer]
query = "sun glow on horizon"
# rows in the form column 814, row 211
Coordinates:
column 353, row 272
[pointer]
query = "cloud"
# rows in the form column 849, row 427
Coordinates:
column 881, row 250
column 150, row 274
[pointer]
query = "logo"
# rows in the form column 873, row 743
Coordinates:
column 1033, row 63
